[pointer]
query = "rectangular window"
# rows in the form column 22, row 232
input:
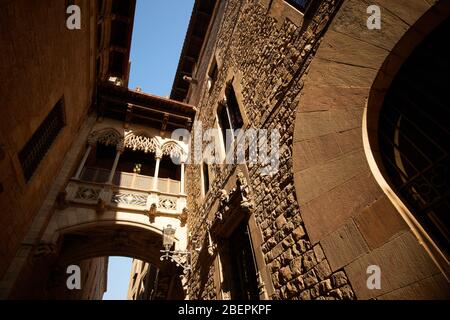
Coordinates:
column 229, row 115
column 240, row 273
column 224, row 121
column 205, row 178
column 234, row 112
column 212, row 74
column 34, row 151
column 301, row 5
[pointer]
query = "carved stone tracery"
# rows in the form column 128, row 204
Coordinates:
column 107, row 137
column 136, row 141
column 141, row 143
column 172, row 149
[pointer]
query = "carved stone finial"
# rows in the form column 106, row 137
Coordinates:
column 120, row 146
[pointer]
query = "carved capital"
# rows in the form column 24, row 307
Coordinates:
column 92, row 140
column 158, row 153
column 120, row 146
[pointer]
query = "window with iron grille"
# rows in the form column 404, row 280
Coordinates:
column 414, row 136
column 34, row 151
column 301, row 5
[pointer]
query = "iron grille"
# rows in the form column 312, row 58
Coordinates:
column 35, row 149
column 414, row 136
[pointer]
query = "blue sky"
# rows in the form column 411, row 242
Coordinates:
column 159, row 30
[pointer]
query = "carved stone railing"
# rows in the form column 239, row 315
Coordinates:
column 131, row 180
column 132, row 194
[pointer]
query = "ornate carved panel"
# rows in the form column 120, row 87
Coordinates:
column 129, row 199
column 87, row 193
column 168, row 203
column 141, row 143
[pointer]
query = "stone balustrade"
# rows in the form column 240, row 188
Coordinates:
column 128, row 191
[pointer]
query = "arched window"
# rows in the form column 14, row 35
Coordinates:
column 414, row 135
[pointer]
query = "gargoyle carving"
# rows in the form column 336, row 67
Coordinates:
column 184, row 216
column 152, row 213
column 233, row 205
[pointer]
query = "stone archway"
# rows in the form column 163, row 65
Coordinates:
column 82, row 239
column 344, row 207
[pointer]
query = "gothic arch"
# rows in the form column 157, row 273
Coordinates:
column 142, row 142
column 107, row 137
column 171, row 148
column 90, row 236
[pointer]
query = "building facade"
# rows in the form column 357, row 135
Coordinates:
column 345, row 179
column 356, row 189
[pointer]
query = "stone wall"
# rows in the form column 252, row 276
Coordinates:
column 268, row 60
column 42, row 61
column 348, row 207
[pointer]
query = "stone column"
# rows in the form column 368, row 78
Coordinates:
column 182, row 178
column 114, row 167
column 83, row 162
column 92, row 141
column 158, row 157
